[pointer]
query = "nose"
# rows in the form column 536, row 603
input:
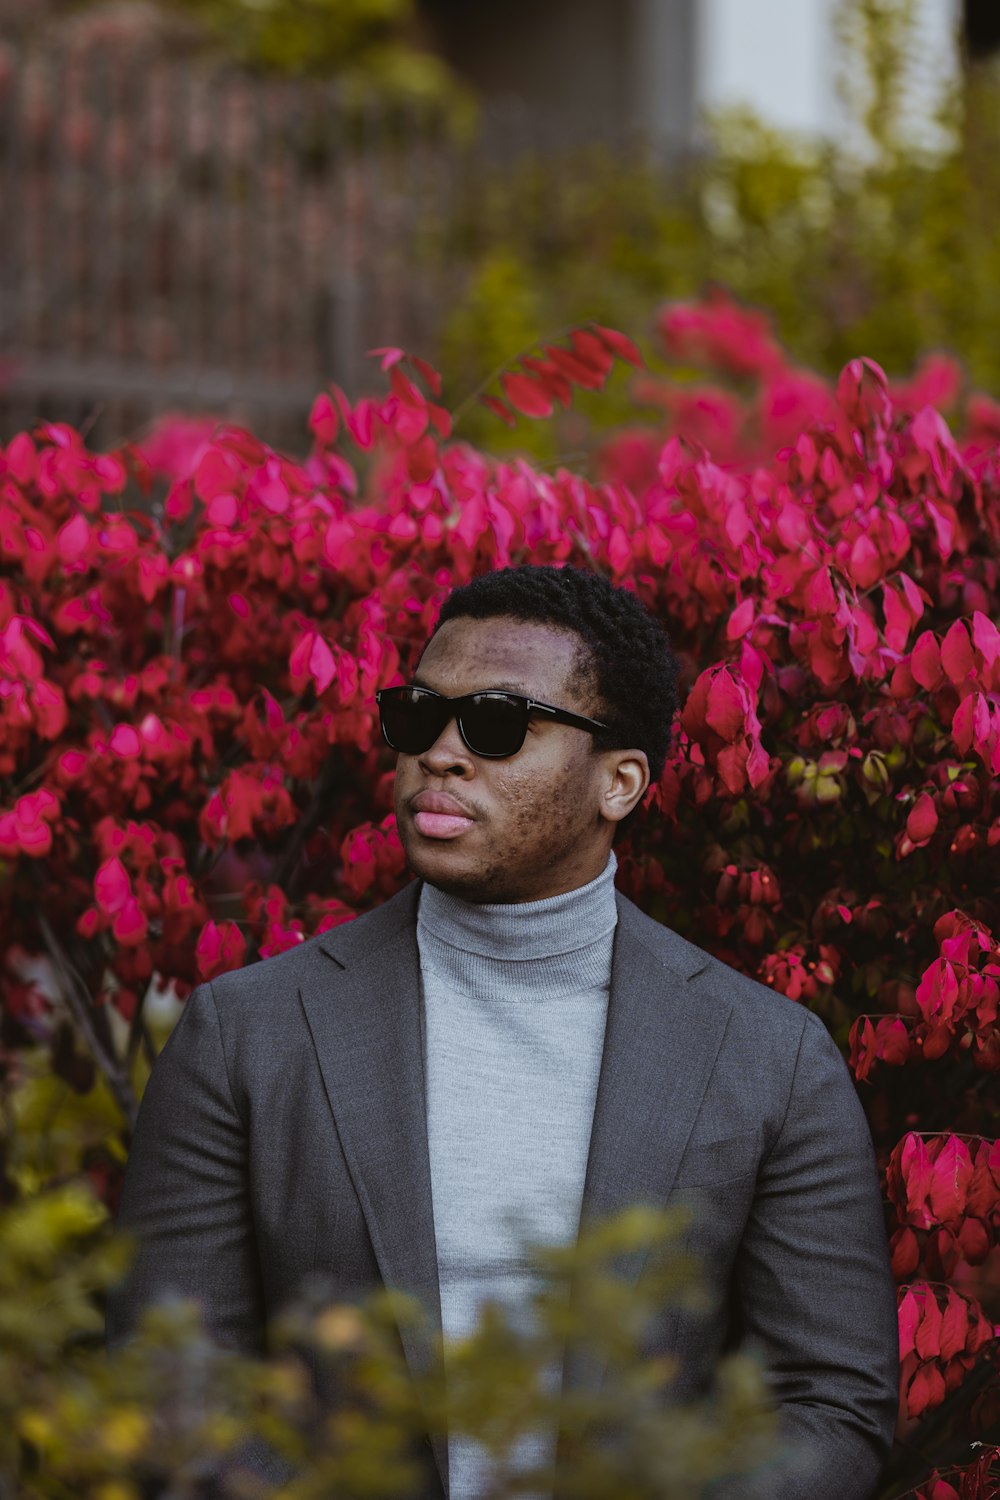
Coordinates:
column 449, row 755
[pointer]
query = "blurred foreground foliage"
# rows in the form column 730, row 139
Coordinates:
column 881, row 241
column 171, row 1411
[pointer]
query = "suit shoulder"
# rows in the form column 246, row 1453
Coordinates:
column 750, row 998
column 276, row 978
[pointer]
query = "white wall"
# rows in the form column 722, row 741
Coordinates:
column 781, row 57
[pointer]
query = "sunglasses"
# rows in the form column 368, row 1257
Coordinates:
column 492, row 723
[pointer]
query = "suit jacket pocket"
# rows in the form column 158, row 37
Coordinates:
column 707, row 1162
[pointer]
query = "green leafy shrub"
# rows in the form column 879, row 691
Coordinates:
column 171, row 1408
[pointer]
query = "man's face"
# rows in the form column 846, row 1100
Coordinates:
column 537, row 827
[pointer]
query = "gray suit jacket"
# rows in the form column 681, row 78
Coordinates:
column 283, row 1133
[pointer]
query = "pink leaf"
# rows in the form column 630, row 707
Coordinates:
column 925, row 661
column 740, row 621
column 389, row 356
column 956, row 653
column 950, row 1178
column 500, row 409
column 126, row 742
column 620, row 345
column 922, row 821
column 526, row 395
column 986, row 638
column 866, row 564
column 726, row 710
column 73, row 538
column 324, row 422
column 111, row 886
column 130, row 926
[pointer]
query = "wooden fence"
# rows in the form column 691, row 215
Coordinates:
column 177, row 236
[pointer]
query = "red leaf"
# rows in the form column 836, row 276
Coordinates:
column 112, row 887
column 954, row 1327
column 390, row 356
column 619, row 550
column 863, row 394
column 500, row 409
column 905, row 1253
column 866, row 564
column 894, row 1044
column 937, row 991
column 908, row 1315
column 324, row 422
column 971, row 724
column 429, row 373
column 73, row 538
column 914, row 1165
column 311, row 658
column 591, row 349
column 726, row 712
column 549, row 377
column 975, row 1241
column 983, row 1197
column 863, row 1050
column 620, row 345
column 986, row 639
column 925, row 662
column 927, row 1390
column 898, row 620
column 922, row 821
column 950, row 1178
column 956, row 653
column 937, row 1040
column 215, row 475
column 575, row 370
column 130, row 925
column 927, row 1340
column 740, row 621
column 220, row 947
column 526, row 395
column 125, row 741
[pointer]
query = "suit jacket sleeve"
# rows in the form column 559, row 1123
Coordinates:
column 817, row 1293
column 186, row 1200
column 185, row 1196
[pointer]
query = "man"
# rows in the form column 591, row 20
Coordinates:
column 507, row 1042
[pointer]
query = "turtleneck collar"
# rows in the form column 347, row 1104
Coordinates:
column 529, row 949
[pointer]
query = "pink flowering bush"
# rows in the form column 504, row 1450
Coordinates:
column 192, row 778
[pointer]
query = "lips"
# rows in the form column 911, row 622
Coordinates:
column 438, row 816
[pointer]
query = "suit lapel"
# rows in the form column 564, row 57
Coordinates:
column 364, row 1015
column 660, row 1045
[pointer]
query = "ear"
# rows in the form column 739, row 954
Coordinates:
column 626, row 780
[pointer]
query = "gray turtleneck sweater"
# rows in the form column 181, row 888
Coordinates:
column 515, row 1001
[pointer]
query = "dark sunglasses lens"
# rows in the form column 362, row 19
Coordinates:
column 494, row 726
column 411, row 722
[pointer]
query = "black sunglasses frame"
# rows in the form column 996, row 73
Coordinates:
column 454, row 711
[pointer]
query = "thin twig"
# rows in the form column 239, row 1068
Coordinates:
column 134, row 1032
column 79, row 1007
column 463, row 405
column 147, row 1044
column 95, row 413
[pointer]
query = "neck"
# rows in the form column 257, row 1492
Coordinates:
column 542, row 948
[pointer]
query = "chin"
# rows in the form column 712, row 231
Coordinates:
column 445, row 867
column 429, row 858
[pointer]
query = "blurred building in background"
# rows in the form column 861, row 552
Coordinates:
column 661, row 63
column 183, row 235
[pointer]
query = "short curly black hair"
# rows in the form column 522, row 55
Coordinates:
column 627, row 661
